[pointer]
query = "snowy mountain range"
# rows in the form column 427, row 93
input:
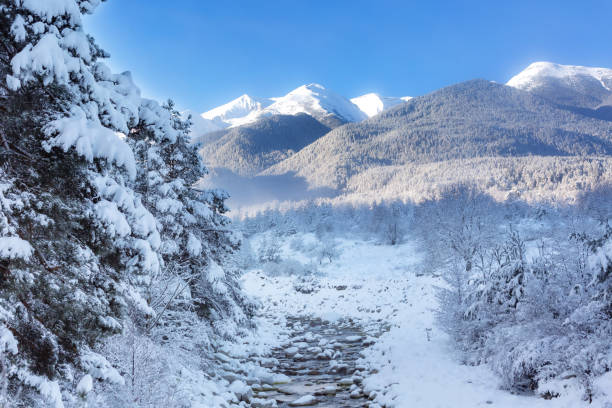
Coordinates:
column 315, row 100
column 473, row 119
column 234, row 113
column 568, row 85
column 549, row 111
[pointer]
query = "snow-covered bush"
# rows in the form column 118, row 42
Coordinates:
column 306, row 284
column 327, row 250
column 537, row 311
column 290, row 267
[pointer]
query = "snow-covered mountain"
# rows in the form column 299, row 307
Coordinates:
column 233, row 113
column 372, row 103
column 312, row 99
column 315, row 100
column 584, row 87
column 474, row 119
column 248, row 149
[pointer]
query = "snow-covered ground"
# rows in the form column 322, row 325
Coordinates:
column 381, row 287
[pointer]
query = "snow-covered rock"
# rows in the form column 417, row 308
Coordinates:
column 304, row 401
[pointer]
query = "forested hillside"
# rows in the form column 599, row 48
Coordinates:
column 468, row 120
column 246, row 150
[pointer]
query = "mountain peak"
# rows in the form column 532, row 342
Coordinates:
column 313, row 99
column 536, row 70
column 572, row 85
column 313, row 86
column 225, row 115
column 372, row 103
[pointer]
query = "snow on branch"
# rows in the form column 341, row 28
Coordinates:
column 99, row 368
column 48, row 10
column 15, row 248
column 90, row 139
column 45, row 59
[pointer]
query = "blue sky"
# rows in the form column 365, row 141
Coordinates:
column 204, row 53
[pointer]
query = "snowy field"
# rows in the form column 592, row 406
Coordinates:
column 381, row 288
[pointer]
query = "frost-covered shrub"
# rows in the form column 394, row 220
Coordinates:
column 148, row 379
column 306, row 284
column 290, row 267
column 327, row 250
column 269, row 249
column 538, row 311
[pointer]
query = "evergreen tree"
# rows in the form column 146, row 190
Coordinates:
column 194, row 230
column 76, row 243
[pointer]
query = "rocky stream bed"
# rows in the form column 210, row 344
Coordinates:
column 321, row 364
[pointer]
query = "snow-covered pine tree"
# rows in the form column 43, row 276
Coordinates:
column 76, row 244
column 194, row 231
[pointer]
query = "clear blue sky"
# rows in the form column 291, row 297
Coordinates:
column 203, row 53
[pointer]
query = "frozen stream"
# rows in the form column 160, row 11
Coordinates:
column 370, row 288
column 321, row 359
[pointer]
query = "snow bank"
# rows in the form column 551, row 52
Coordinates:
column 85, row 386
column 416, row 363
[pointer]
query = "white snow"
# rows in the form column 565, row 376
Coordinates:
column 85, row 385
column 50, row 390
column 194, row 246
column 18, row 28
column 7, row 341
column 90, row 139
column 114, row 221
column 169, row 205
column 416, row 363
column 142, row 221
column 99, row 367
column 372, row 103
column 312, row 99
column 233, row 112
column 50, row 9
column 532, row 76
column 239, row 387
column 214, row 271
column 304, row 401
column 15, row 248
column 47, row 59
column 315, row 100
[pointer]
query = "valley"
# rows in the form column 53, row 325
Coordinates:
column 329, row 248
